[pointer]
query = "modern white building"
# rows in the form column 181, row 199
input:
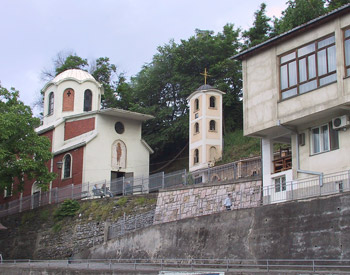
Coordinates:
column 296, row 90
column 205, row 130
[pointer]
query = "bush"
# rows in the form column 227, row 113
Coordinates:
column 67, row 209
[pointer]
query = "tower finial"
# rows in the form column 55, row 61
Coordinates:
column 205, row 76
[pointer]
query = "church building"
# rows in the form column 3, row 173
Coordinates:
column 89, row 144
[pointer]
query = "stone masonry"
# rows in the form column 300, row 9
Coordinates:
column 192, row 201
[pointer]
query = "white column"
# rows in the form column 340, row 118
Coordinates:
column 267, row 158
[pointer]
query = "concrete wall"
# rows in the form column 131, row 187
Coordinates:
column 302, row 230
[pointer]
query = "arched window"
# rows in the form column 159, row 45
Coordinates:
column 196, row 104
column 212, row 102
column 87, row 101
column 212, row 153
column 196, row 156
column 212, row 125
column 67, row 166
column 68, row 100
column 196, row 128
column 51, row 104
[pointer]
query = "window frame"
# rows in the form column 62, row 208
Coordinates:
column 196, row 128
column 85, row 100
column 280, row 184
column 196, row 105
column 347, row 66
column 7, row 193
column 212, row 101
column 212, row 124
column 309, row 79
column 64, row 166
column 51, row 104
column 332, row 144
column 195, row 156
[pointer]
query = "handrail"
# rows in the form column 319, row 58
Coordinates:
column 310, row 265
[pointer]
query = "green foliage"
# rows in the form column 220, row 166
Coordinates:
column 297, row 13
column 67, row 209
column 261, row 28
column 27, row 217
column 57, row 227
column 72, row 62
column 23, row 154
column 162, row 87
column 44, row 215
column 122, row 201
column 334, row 4
column 237, row 146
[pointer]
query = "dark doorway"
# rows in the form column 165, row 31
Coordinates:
column 117, row 182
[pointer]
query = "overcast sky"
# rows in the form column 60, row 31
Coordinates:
column 127, row 31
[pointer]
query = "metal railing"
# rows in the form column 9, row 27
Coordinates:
column 129, row 186
column 163, row 264
column 307, row 188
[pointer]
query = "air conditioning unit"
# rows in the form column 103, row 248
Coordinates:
column 340, row 122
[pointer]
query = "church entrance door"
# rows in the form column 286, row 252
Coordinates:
column 117, row 182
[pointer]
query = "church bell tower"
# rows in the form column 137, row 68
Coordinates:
column 205, row 129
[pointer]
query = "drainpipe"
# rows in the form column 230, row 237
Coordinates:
column 319, row 174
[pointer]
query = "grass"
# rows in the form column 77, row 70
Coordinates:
column 237, row 146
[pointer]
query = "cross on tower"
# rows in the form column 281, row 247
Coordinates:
column 205, row 76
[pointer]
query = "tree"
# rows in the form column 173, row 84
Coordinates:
column 261, row 28
column 116, row 92
column 23, row 154
column 161, row 88
column 297, row 13
column 72, row 62
column 334, row 4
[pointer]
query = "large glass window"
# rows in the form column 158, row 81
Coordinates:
column 308, row 67
column 323, row 139
column 347, row 51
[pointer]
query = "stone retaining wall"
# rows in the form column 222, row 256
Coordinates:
column 130, row 223
column 192, row 201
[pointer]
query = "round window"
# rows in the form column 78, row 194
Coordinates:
column 119, row 127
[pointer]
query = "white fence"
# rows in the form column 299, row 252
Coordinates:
column 307, row 188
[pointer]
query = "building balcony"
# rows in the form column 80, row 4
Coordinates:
column 283, row 161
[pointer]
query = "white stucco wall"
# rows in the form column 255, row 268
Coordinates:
column 79, row 89
column 97, row 157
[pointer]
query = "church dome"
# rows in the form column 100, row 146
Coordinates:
column 205, row 87
column 77, row 74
